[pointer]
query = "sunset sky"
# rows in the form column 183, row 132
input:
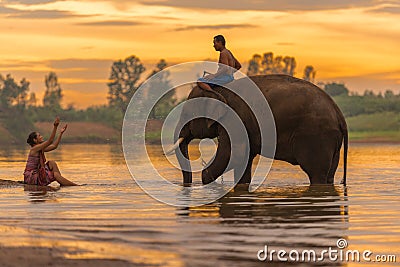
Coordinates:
column 356, row 42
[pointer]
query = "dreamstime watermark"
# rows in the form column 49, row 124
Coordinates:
column 202, row 109
column 333, row 254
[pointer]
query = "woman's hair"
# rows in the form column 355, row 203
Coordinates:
column 31, row 136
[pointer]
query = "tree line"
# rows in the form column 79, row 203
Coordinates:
column 14, row 94
column 353, row 104
column 267, row 63
column 20, row 108
column 126, row 78
column 127, row 75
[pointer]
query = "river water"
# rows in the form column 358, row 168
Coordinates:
column 110, row 217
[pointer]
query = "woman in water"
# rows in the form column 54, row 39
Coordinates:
column 38, row 171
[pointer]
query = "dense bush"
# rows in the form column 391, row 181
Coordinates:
column 104, row 114
column 354, row 105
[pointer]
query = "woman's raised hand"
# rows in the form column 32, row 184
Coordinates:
column 64, row 128
column 57, row 121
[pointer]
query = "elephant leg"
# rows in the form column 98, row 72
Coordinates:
column 246, row 177
column 334, row 165
column 314, row 154
column 184, row 163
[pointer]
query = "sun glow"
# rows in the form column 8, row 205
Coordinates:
column 339, row 43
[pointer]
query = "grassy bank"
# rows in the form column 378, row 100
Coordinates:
column 362, row 128
column 377, row 122
column 77, row 132
column 83, row 132
column 5, row 136
column 375, row 136
column 377, row 127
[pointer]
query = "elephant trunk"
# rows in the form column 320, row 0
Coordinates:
column 221, row 160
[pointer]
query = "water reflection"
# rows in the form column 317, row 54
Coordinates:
column 38, row 194
column 11, row 153
column 274, row 205
column 301, row 217
column 115, row 155
column 277, row 204
column 112, row 217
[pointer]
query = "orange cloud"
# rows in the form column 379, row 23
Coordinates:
column 79, row 40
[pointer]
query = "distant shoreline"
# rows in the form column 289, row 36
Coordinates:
column 99, row 133
column 77, row 133
column 375, row 137
column 374, row 141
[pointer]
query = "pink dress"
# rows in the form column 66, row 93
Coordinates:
column 31, row 173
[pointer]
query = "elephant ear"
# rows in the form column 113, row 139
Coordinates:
column 215, row 109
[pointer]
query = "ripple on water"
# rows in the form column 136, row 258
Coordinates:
column 112, row 216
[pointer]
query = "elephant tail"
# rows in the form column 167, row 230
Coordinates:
column 346, row 146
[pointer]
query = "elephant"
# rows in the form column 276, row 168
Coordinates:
column 310, row 129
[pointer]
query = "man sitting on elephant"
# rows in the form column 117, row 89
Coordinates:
column 226, row 65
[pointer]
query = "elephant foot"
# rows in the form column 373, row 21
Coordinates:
column 206, row 177
column 187, row 178
column 244, row 178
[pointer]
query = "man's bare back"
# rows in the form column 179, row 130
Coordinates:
column 226, row 56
